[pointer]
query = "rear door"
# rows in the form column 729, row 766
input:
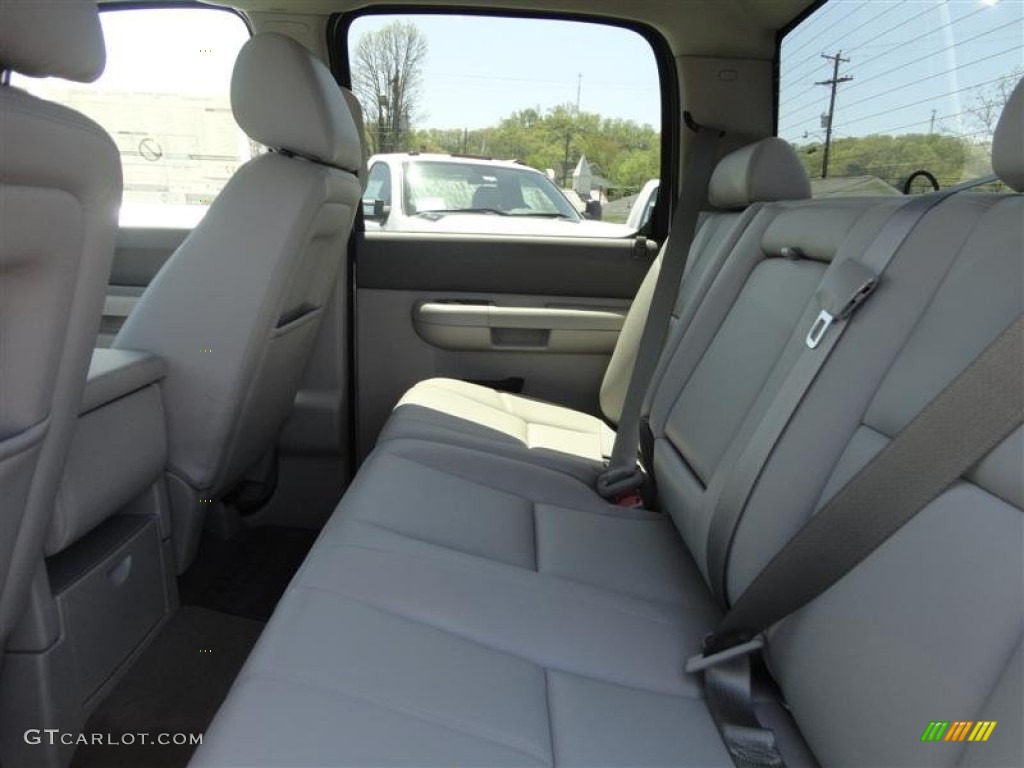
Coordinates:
column 507, row 295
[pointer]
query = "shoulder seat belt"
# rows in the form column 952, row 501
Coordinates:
column 622, row 475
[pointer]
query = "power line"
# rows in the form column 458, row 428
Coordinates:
column 819, row 17
column 846, row 35
column 929, row 9
column 939, row 119
column 932, row 54
column 829, row 28
column 929, row 55
column 902, row 107
column 928, row 77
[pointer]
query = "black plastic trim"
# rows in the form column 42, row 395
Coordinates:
column 777, row 58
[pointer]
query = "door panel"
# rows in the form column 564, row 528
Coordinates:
column 482, row 326
column 540, row 315
column 138, row 256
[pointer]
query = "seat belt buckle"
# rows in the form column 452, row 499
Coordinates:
column 703, row 660
column 843, row 289
column 622, row 486
column 631, row 500
column 818, row 328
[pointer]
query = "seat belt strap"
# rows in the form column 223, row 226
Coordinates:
column 622, row 474
column 979, row 409
column 958, row 428
column 844, row 288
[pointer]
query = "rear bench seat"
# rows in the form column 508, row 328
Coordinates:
column 448, row 410
column 465, row 607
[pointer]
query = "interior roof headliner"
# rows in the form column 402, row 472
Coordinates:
column 727, row 28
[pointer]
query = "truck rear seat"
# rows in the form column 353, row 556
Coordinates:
column 448, row 410
column 469, row 607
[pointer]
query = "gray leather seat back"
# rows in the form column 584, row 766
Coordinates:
column 930, row 626
column 236, row 309
column 763, row 172
column 60, row 189
column 716, row 381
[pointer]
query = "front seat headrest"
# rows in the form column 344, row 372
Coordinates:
column 46, row 38
column 1008, row 142
column 763, row 172
column 286, row 99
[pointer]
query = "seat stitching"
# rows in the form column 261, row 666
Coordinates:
column 536, row 538
column 512, row 578
column 507, row 652
column 422, row 540
column 504, row 458
column 452, row 724
column 547, row 706
column 470, row 480
column 556, row 580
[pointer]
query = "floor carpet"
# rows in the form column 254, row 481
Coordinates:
column 245, row 575
column 175, row 686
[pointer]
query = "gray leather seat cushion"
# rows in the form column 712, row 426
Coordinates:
column 514, row 605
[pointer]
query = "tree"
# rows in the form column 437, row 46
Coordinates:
column 988, row 103
column 892, row 158
column 386, row 79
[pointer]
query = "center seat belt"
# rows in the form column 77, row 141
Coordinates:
column 622, row 480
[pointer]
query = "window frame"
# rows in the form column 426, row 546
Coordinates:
column 339, row 25
column 795, row 22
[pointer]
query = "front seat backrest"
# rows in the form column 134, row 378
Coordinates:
column 235, row 310
column 60, row 190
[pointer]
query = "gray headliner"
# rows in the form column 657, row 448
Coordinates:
column 726, row 28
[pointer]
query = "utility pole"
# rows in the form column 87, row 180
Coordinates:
column 931, row 125
column 579, row 86
column 833, row 83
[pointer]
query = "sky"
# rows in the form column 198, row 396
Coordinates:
column 479, row 69
column 906, row 57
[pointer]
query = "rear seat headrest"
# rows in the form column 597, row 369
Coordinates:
column 762, row 172
column 357, row 117
column 285, row 98
column 52, row 39
column 1008, row 142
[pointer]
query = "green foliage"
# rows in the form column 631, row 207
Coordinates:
column 625, row 152
column 893, row 158
column 628, row 154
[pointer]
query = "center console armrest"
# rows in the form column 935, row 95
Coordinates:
column 114, row 373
